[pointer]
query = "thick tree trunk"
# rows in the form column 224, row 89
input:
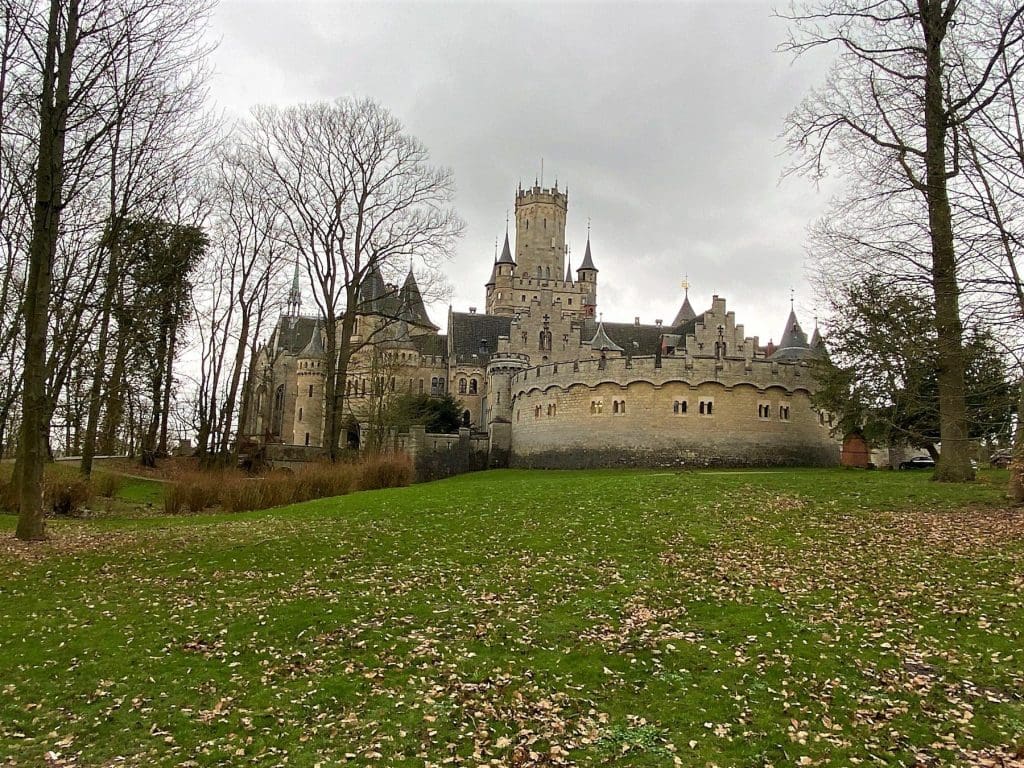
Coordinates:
column 53, row 115
column 168, row 386
column 954, row 462
column 236, row 377
column 113, row 416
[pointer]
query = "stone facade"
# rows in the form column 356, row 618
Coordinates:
column 553, row 386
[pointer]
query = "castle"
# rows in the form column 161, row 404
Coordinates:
column 551, row 383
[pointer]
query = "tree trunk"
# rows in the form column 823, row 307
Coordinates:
column 96, row 390
column 954, row 462
column 53, row 113
column 168, row 386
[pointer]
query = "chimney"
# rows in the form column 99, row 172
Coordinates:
column 636, row 321
column 472, row 310
column 658, row 322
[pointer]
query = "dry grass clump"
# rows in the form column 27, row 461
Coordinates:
column 386, row 471
column 235, row 492
column 106, row 485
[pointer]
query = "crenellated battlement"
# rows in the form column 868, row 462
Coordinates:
column 537, row 194
column 728, row 372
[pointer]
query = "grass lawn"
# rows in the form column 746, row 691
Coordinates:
column 526, row 619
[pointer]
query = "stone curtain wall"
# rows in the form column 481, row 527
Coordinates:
column 436, row 456
column 631, row 414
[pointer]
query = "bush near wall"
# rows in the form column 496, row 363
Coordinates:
column 234, row 491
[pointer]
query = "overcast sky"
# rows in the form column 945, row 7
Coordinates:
column 662, row 118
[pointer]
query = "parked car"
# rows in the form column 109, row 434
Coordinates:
column 918, row 462
column 1001, row 459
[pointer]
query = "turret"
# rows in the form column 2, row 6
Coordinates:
column 793, row 345
column 587, row 276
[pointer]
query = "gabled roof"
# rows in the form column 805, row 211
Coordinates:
column 468, row 329
column 601, row 341
column 588, row 260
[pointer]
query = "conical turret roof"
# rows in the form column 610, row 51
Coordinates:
column 494, row 274
column 602, row 342
column 588, row 260
column 506, row 253
column 568, row 271
column 685, row 313
column 412, row 302
column 372, row 290
column 793, row 344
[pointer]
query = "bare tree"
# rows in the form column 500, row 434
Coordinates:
column 73, row 50
column 891, row 110
column 247, row 264
column 358, row 196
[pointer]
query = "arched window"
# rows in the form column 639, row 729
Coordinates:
column 622, row 406
column 465, row 418
column 462, row 386
column 539, row 273
column 593, row 406
column 472, row 386
column 615, row 406
column 675, row 407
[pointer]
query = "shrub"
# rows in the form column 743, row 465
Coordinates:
column 66, row 495
column 174, row 500
column 106, row 484
column 386, row 471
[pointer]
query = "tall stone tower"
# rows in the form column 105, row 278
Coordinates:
column 540, row 232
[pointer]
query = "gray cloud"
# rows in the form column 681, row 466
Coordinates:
column 662, row 118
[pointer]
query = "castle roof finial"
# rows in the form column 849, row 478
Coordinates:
column 568, row 264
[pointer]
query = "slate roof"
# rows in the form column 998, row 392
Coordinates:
column 506, row 253
column 293, row 334
column 431, row 344
column 685, row 312
column 793, row 346
column 412, row 308
column 623, row 336
column 588, row 260
column 601, row 342
column 467, row 329
column 315, row 348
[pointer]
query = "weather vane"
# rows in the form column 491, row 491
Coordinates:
column 685, row 285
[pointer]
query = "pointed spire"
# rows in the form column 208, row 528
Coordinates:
column 568, row 265
column 506, row 252
column 588, row 260
column 295, row 294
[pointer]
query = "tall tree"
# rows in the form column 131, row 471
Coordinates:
column 889, row 112
column 881, row 376
column 359, row 196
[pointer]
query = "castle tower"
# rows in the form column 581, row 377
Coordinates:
column 540, row 232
